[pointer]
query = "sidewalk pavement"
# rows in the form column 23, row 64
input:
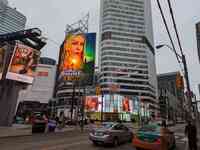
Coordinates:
column 15, row 131
column 18, row 130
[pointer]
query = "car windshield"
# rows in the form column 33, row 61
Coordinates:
column 149, row 128
column 107, row 125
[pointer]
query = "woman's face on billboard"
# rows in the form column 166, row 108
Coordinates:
column 77, row 44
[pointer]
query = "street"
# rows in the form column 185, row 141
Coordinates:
column 71, row 140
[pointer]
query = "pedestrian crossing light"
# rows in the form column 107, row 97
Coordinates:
column 179, row 81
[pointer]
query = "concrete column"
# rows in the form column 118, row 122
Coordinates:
column 8, row 101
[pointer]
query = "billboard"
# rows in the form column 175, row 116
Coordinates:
column 126, row 104
column 92, row 103
column 2, row 56
column 78, row 56
column 23, row 64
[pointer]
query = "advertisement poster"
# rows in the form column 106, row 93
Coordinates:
column 2, row 55
column 78, row 56
column 23, row 64
column 125, row 104
column 91, row 103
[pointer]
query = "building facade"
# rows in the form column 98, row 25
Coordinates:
column 11, row 20
column 126, row 62
column 174, row 96
column 43, row 86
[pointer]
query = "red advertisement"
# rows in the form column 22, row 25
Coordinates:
column 23, row 64
column 125, row 104
column 91, row 103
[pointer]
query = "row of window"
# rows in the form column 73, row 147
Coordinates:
column 125, row 70
column 138, row 29
column 128, row 87
column 130, row 76
column 125, row 34
column 123, row 60
column 126, row 40
column 123, row 12
column 127, row 81
column 122, row 44
column 123, row 54
column 122, row 49
column 123, row 20
column 118, row 64
column 123, row 16
column 134, row 1
column 124, row 7
column 138, row 4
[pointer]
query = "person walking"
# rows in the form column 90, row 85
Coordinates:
column 191, row 133
column 164, row 131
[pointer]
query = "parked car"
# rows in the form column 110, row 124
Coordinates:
column 39, row 123
column 149, row 137
column 111, row 133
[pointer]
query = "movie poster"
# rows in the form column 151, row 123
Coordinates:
column 77, row 56
column 23, row 64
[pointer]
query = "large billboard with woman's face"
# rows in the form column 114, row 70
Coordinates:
column 2, row 57
column 23, row 64
column 78, row 56
column 91, row 103
column 126, row 104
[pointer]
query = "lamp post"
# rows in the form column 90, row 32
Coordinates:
column 183, row 60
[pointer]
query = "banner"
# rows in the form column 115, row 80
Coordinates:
column 125, row 104
column 91, row 103
column 77, row 56
column 2, row 56
column 23, row 64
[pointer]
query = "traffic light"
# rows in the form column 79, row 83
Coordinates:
column 98, row 90
column 179, row 81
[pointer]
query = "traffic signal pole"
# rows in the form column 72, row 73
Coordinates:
column 187, row 83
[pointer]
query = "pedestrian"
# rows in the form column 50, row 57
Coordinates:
column 164, row 131
column 191, row 133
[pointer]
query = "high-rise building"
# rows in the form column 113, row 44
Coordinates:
column 167, row 85
column 5, row 2
column 198, row 38
column 126, row 61
column 11, row 20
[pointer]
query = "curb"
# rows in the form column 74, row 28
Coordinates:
column 14, row 136
column 30, row 134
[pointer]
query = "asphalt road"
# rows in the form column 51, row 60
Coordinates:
column 70, row 140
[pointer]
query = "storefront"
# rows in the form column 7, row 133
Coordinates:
column 116, row 107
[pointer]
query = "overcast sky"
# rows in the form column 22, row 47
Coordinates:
column 52, row 16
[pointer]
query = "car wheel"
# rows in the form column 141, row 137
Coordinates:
column 95, row 143
column 115, row 142
column 130, row 139
column 173, row 146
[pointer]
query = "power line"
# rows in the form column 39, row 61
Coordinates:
column 167, row 28
column 175, row 27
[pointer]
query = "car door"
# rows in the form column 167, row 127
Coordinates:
column 127, row 133
column 118, row 132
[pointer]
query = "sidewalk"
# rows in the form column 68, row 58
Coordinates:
column 26, row 130
column 15, row 131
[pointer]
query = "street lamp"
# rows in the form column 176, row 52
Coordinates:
column 183, row 60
